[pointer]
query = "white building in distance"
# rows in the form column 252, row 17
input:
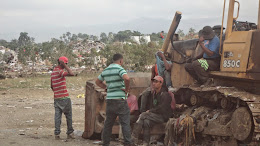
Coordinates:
column 138, row 39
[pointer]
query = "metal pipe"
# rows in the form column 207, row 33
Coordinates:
column 238, row 7
column 230, row 18
column 258, row 25
column 221, row 33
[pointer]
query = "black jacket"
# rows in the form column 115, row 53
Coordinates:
column 159, row 103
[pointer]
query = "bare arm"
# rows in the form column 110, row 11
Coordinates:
column 132, row 112
column 205, row 49
column 51, row 85
column 153, row 72
column 127, row 82
column 101, row 84
column 70, row 73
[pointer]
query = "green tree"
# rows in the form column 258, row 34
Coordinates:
column 24, row 39
column 103, row 37
column 13, row 45
column 110, row 37
column 136, row 33
column 74, row 37
column 3, row 43
column 155, row 37
column 191, row 33
column 181, row 33
column 83, row 36
column 122, row 36
column 26, row 48
column 136, row 57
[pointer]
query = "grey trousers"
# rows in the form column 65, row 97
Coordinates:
column 63, row 106
column 146, row 121
column 198, row 73
column 116, row 108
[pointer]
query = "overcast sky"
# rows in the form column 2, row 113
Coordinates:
column 46, row 19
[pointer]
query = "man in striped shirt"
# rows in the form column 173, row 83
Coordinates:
column 117, row 86
column 62, row 102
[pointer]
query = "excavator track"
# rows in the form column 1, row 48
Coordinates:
column 244, row 106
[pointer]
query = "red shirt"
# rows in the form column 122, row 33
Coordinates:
column 58, row 81
column 156, row 70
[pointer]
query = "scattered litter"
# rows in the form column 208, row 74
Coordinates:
column 65, row 140
column 81, row 96
column 30, row 121
column 22, row 134
column 28, row 107
column 77, row 123
column 258, row 137
column 21, row 82
column 78, row 133
column 1, row 105
column 37, row 85
column 97, row 142
column 28, row 128
column 11, row 106
column 21, row 130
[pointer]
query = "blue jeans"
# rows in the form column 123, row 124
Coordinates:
column 116, row 108
column 63, row 106
column 167, row 78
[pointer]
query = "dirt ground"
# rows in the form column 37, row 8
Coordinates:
column 27, row 118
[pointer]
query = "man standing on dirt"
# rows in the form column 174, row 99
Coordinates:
column 208, row 59
column 62, row 102
column 159, row 111
column 117, row 86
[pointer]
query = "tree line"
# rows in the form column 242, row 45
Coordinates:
column 137, row 56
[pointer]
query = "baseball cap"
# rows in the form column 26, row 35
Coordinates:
column 158, row 78
column 64, row 59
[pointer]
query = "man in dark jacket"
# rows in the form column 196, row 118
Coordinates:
column 159, row 111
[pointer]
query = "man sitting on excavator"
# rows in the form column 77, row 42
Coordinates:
column 208, row 59
column 159, row 111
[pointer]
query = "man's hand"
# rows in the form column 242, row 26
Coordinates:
column 147, row 111
column 160, row 54
column 201, row 39
column 62, row 64
column 125, row 90
column 101, row 84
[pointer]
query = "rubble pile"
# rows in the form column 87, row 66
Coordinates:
column 10, row 67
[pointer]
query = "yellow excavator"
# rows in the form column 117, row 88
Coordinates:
column 230, row 106
column 225, row 113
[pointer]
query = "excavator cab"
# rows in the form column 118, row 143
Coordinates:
column 241, row 48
